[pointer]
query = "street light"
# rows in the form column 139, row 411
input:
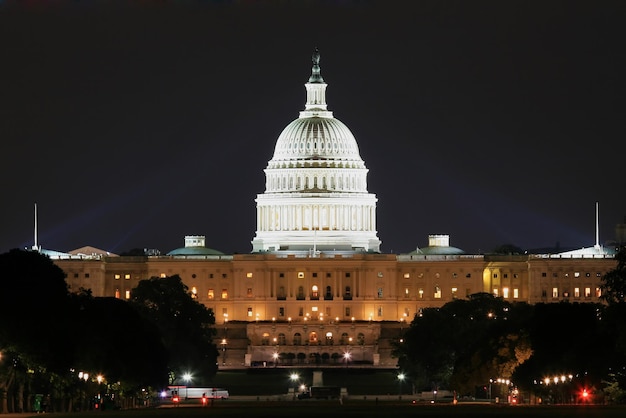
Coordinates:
column 401, row 377
column 294, row 381
column 186, row 379
column 223, row 344
column 346, row 357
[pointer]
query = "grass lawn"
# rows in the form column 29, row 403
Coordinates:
column 360, row 409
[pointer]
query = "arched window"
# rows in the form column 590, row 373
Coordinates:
column 329, row 338
column 297, row 339
column 315, row 294
column 344, row 339
column 347, row 294
column 328, row 295
column 281, row 293
column 265, row 340
column 281, row 339
column 313, row 338
column 360, row 339
column 300, row 295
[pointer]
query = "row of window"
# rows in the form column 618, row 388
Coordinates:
column 586, row 293
column 576, row 274
column 313, row 339
column 300, row 275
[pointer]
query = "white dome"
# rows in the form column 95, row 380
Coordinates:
column 316, row 194
column 325, row 140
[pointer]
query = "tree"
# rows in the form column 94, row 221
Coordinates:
column 465, row 343
column 115, row 340
column 613, row 284
column 36, row 327
column 186, row 326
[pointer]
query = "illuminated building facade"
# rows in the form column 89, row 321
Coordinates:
column 316, row 290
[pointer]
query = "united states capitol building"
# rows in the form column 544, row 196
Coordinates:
column 315, row 289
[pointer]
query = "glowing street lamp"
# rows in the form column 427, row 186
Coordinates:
column 294, row 377
column 401, row 377
column 346, row 357
column 186, row 379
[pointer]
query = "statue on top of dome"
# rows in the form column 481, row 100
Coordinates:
column 316, row 57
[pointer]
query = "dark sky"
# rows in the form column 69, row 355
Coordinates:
column 132, row 126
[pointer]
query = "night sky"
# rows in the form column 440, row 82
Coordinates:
column 132, row 126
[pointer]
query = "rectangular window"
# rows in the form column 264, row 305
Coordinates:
column 407, row 275
column 577, row 292
column 496, row 292
column 515, row 293
column 314, row 274
column 300, row 311
column 515, row 275
column 421, row 293
column 406, row 292
column 347, row 274
column 505, row 292
column 86, row 275
column 225, row 312
column 224, row 276
column 544, row 274
column 127, row 294
column 598, row 292
column 249, row 292
column 281, row 274
column 468, row 276
column 117, row 277
column 300, row 275
column 506, row 275
column 210, row 275
column 437, row 293
column 544, row 293
column 127, row 276
column 249, row 275
column 454, row 292
column 211, row 294
column 587, row 292
column 281, row 311
column 76, row 275
column 379, row 311
column 224, row 293
column 249, row 313
column 347, row 311
column 576, row 274
column 555, row 292
column 380, row 292
column 328, row 275
column 495, row 275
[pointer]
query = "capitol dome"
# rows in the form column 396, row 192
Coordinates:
column 316, row 194
column 320, row 140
